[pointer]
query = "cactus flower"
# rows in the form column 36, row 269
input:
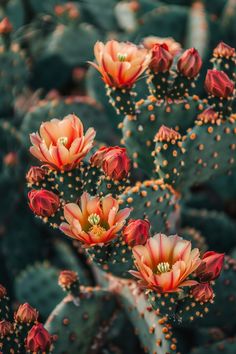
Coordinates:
column 210, row 269
column 136, row 232
column 120, row 63
column 223, row 50
column 5, row 328
column 35, row 174
column 3, row 291
column 67, row 278
column 38, row 339
column 94, row 221
column 173, row 46
column 5, row 26
column 190, row 63
column 26, row 314
column 62, row 144
column 203, row 292
column 161, row 58
column 43, row 202
column 164, row 263
column 217, row 83
column 113, row 160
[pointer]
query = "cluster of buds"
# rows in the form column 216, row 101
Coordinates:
column 69, row 9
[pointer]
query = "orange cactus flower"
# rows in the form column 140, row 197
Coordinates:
column 62, row 144
column 165, row 262
column 120, row 63
column 95, row 221
column 173, row 46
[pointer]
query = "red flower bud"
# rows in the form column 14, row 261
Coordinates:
column 3, row 291
column 223, row 50
column 43, row 202
column 113, row 160
column 217, row 83
column 211, row 266
column 5, row 328
column 5, row 26
column 190, row 63
column 35, row 174
column 67, row 278
column 161, row 58
column 98, row 156
column 203, row 292
column 26, row 314
column 10, row 159
column 136, row 232
column 38, row 339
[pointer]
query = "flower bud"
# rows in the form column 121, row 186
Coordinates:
column 35, row 174
column 10, row 159
column 5, row 26
column 43, row 202
column 203, row 292
column 98, row 156
column 67, row 279
column 211, row 266
column 3, row 291
column 217, row 83
column 190, row 63
column 136, row 232
column 38, row 339
column 26, row 314
column 161, row 58
column 5, row 328
column 113, row 160
column 223, row 50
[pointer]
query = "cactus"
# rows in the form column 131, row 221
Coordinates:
column 147, row 217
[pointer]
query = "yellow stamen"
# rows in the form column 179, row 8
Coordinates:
column 163, row 267
column 97, row 230
column 94, row 219
column 62, row 140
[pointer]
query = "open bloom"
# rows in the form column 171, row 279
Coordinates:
column 95, row 221
column 164, row 263
column 113, row 160
column 62, row 144
column 120, row 63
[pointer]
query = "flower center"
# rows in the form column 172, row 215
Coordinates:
column 122, row 56
column 163, row 267
column 63, row 140
column 94, row 219
column 97, row 230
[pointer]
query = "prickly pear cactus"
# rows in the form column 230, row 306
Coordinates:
column 117, row 177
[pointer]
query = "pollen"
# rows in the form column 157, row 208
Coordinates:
column 163, row 267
